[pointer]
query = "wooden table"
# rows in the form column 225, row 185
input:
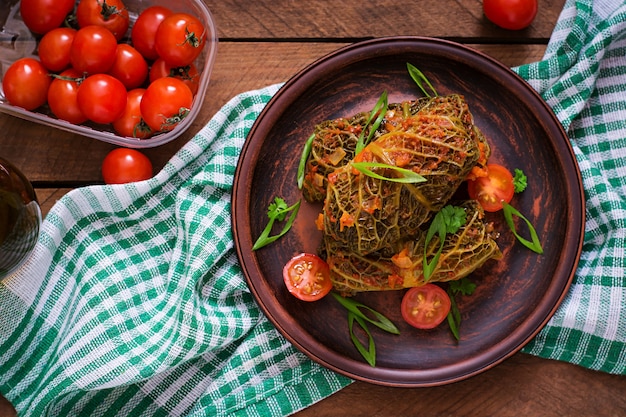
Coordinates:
column 266, row 41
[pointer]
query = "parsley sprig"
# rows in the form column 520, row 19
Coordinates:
column 448, row 220
column 277, row 211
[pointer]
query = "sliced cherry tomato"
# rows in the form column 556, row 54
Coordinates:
column 93, row 50
column 307, row 277
column 62, row 96
column 425, row 307
column 180, row 39
column 130, row 123
column 188, row 74
column 26, row 83
column 510, row 14
column 123, row 165
column 41, row 16
column 102, row 98
column 54, row 48
column 492, row 189
column 165, row 103
column 129, row 66
column 145, row 28
column 111, row 14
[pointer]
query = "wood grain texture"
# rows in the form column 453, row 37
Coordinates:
column 288, row 19
column 263, row 42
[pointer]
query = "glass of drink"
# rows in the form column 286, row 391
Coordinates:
column 20, row 218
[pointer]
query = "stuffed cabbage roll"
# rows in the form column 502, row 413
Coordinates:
column 463, row 252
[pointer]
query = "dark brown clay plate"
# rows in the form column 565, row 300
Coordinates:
column 515, row 297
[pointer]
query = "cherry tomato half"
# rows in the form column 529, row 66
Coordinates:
column 26, row 83
column 41, row 16
column 180, row 39
column 307, row 277
column 492, row 189
column 145, row 28
column 510, row 14
column 111, row 14
column 123, row 165
column 425, row 307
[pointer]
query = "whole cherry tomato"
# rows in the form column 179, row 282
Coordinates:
column 130, row 124
column 41, row 16
column 54, row 48
column 93, row 50
column 26, row 83
column 62, row 96
column 180, row 39
column 188, row 74
column 165, row 103
column 102, row 98
column 129, row 66
column 510, row 14
column 145, row 28
column 111, row 14
column 123, row 165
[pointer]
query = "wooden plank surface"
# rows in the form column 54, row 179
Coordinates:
column 263, row 42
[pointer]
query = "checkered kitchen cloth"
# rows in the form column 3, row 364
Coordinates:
column 133, row 303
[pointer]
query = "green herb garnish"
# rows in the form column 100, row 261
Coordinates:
column 534, row 244
column 356, row 312
column 368, row 353
column 277, row 211
column 420, row 79
column 465, row 287
column 448, row 220
column 520, row 181
column 406, row 175
column 305, row 155
column 377, row 112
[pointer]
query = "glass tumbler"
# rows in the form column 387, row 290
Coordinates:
column 20, row 218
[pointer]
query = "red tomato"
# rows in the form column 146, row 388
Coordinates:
column 491, row 190
column 41, row 16
column 102, row 98
column 62, row 97
column 26, row 83
column 130, row 123
column 188, row 74
column 54, row 48
column 180, row 39
column 145, row 28
column 425, row 307
column 123, row 165
column 510, row 14
column 129, row 66
column 307, row 277
column 93, row 50
column 111, row 14
column 165, row 103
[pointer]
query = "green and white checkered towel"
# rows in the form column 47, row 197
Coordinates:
column 133, row 303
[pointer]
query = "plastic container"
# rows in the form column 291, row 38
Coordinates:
column 16, row 41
